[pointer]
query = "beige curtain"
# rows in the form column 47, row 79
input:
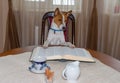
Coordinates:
column 82, row 23
column 92, row 37
column 3, row 18
column 1, row 36
column 109, row 27
column 11, row 40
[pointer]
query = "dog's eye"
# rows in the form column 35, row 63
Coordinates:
column 60, row 19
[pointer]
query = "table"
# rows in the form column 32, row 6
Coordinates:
column 104, row 58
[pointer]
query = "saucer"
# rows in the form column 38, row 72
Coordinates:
column 37, row 71
column 34, row 70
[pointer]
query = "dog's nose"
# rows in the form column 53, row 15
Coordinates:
column 63, row 28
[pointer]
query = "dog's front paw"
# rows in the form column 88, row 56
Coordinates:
column 69, row 44
column 72, row 46
column 45, row 46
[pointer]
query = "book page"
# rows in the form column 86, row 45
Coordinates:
column 79, row 54
column 68, row 51
column 53, row 53
column 49, row 53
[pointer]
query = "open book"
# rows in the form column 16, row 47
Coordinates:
column 59, row 52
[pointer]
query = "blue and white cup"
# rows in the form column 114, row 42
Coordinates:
column 38, row 67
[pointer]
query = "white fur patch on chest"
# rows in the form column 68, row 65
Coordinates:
column 56, row 38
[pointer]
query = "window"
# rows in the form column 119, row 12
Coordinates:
column 117, row 7
column 112, row 6
column 36, row 0
column 63, row 2
column 59, row 2
column 45, row 5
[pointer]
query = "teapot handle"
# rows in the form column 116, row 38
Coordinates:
column 63, row 74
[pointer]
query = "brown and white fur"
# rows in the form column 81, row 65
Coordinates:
column 56, row 34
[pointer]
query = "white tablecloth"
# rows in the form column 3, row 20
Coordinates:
column 14, row 69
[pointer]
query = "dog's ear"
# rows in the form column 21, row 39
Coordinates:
column 57, row 11
column 68, row 13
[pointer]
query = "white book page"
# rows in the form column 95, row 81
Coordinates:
column 82, row 52
column 73, row 53
column 68, row 51
column 53, row 53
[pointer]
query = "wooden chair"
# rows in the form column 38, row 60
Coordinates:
column 69, row 31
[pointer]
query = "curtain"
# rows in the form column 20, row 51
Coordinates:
column 1, row 29
column 3, row 18
column 92, row 37
column 82, row 23
column 11, row 40
column 109, row 27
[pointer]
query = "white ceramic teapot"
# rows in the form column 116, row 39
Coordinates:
column 71, row 71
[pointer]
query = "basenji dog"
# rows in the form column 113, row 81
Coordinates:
column 56, row 32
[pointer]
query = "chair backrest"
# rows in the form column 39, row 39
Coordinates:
column 47, row 17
